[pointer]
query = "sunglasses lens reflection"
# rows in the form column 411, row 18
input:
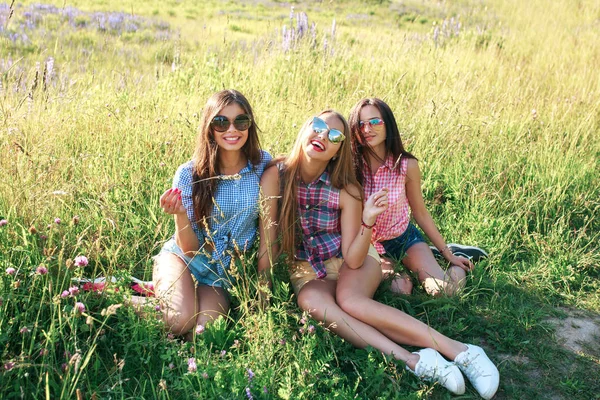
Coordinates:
column 336, row 136
column 242, row 122
column 222, row 124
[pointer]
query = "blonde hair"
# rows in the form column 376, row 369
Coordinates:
column 341, row 171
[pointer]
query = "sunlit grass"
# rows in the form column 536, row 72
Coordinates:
column 498, row 101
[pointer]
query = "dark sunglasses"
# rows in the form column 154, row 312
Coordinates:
column 220, row 123
column 334, row 136
column 370, row 122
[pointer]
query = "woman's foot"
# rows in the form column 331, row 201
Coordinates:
column 433, row 367
column 401, row 284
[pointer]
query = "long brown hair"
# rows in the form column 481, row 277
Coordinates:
column 393, row 142
column 341, row 173
column 206, row 155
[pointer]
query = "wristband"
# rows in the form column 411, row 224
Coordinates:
column 364, row 224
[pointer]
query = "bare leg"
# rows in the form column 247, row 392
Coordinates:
column 401, row 283
column 419, row 259
column 176, row 291
column 355, row 290
column 318, row 298
column 212, row 303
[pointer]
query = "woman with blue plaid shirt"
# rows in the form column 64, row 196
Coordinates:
column 214, row 200
column 313, row 200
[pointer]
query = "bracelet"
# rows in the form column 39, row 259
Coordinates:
column 362, row 231
column 362, row 222
column 444, row 249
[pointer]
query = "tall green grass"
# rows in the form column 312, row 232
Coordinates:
column 502, row 112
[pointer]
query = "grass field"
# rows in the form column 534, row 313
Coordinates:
column 99, row 104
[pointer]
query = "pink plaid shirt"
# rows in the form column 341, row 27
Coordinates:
column 394, row 221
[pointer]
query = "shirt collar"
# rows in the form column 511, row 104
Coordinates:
column 388, row 163
column 323, row 178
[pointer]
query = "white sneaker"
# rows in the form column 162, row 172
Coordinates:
column 480, row 370
column 434, row 368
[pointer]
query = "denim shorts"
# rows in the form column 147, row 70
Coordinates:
column 200, row 266
column 398, row 247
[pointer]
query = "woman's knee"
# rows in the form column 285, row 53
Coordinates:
column 179, row 321
column 314, row 301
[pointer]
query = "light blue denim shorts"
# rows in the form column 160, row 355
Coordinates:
column 200, row 266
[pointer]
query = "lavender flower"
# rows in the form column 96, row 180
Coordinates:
column 192, row 367
column 81, row 261
column 41, row 270
column 3, row 222
column 79, row 308
column 11, row 271
column 250, row 374
column 248, row 392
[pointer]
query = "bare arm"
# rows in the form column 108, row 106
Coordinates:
column 267, row 224
column 423, row 218
column 185, row 237
column 356, row 239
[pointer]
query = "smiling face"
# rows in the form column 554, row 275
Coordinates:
column 374, row 135
column 317, row 145
column 232, row 139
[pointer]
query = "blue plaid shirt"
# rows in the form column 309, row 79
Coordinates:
column 319, row 210
column 234, row 218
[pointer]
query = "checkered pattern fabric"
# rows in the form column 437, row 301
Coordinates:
column 234, row 218
column 319, row 211
column 394, row 221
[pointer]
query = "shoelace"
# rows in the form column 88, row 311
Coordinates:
column 474, row 370
column 434, row 372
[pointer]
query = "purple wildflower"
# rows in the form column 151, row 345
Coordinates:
column 57, row 221
column 41, row 270
column 24, row 330
column 199, row 329
column 81, row 261
column 3, row 222
column 171, row 365
column 192, row 367
column 74, row 290
column 204, row 375
column 79, row 308
column 250, row 374
column 9, row 365
column 11, row 271
column 311, row 329
column 249, row 394
column 65, row 293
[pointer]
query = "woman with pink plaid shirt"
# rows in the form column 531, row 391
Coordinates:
column 383, row 163
column 313, row 212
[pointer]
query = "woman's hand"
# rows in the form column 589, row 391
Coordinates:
column 376, row 204
column 170, row 202
column 461, row 262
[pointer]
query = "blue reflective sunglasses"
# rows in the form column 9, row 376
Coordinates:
column 334, row 136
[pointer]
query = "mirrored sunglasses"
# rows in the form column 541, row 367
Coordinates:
column 370, row 122
column 221, row 123
column 334, row 136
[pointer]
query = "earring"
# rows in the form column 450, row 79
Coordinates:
column 334, row 158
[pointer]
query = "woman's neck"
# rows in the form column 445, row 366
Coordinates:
column 311, row 169
column 231, row 162
column 377, row 159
